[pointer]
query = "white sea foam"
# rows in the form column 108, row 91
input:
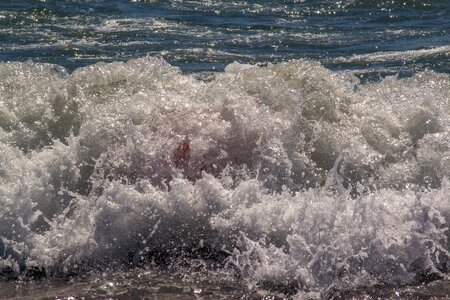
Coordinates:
column 397, row 55
column 297, row 175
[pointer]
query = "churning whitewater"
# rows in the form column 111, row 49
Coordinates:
column 286, row 175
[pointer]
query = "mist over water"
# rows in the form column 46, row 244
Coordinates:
column 317, row 160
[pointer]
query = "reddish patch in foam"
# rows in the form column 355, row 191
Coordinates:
column 192, row 168
column 181, row 155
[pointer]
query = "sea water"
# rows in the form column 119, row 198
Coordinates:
column 185, row 149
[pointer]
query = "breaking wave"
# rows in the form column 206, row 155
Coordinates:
column 289, row 176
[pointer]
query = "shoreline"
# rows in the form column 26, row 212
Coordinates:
column 151, row 284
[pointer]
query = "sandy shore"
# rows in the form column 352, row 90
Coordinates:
column 154, row 285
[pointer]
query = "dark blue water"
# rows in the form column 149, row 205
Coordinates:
column 375, row 36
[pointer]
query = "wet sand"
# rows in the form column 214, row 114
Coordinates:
column 155, row 285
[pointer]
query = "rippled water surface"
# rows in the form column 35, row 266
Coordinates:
column 208, row 35
column 224, row 149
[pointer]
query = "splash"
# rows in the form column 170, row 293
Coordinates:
column 289, row 176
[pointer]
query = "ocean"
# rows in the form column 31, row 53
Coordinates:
column 290, row 149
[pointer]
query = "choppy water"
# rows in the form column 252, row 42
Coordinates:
column 380, row 36
column 286, row 173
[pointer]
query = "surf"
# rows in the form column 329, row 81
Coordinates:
column 287, row 176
